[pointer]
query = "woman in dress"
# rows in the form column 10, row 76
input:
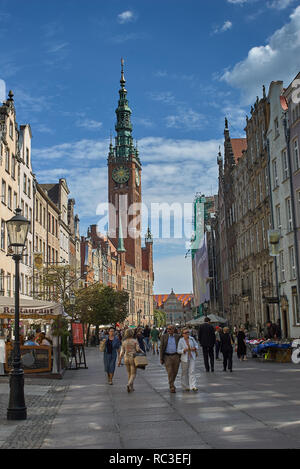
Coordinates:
column 129, row 348
column 187, row 349
column 241, row 344
column 112, row 345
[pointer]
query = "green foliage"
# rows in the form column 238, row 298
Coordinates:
column 160, row 317
column 101, row 304
column 59, row 327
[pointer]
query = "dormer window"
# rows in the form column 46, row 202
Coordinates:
column 11, row 130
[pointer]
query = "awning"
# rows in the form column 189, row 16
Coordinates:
column 213, row 319
column 30, row 309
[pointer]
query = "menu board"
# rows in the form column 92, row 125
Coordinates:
column 77, row 333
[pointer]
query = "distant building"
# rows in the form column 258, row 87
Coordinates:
column 178, row 307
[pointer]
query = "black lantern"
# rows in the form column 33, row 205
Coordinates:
column 17, row 229
column 72, row 299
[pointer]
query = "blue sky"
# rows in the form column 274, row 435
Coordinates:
column 188, row 63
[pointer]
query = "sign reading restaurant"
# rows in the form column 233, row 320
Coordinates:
column 32, row 313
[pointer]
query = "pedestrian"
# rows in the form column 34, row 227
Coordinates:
column 226, row 343
column 187, row 349
column 154, row 339
column 272, row 331
column 112, row 345
column 140, row 339
column 218, row 343
column 169, row 356
column 129, row 348
column 147, row 332
column 241, row 344
column 207, row 340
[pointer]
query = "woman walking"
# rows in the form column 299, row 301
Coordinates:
column 241, row 344
column 112, row 345
column 226, row 342
column 187, row 349
column 129, row 348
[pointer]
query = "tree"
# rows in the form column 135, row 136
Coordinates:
column 100, row 304
column 55, row 282
column 160, row 317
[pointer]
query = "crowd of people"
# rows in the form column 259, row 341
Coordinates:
column 34, row 338
column 176, row 346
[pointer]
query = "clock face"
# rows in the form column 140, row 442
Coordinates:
column 137, row 177
column 120, row 174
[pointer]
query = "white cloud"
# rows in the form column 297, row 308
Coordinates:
column 222, row 29
column 279, row 4
column 126, row 17
column 237, row 2
column 277, row 60
column 89, row 124
column 2, row 90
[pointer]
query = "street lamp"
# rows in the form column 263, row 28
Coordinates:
column 17, row 229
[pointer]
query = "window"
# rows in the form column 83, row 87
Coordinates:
column 282, row 269
column 36, row 210
column 2, row 282
column 267, row 180
column 275, row 174
column 285, row 167
column 292, row 263
column 27, row 157
column 263, row 233
column 11, row 130
column 3, row 192
column 7, row 158
column 296, row 155
column 278, row 216
column 276, row 127
column 289, row 218
column 29, row 188
column 8, row 284
column 9, row 197
column 25, row 184
column 2, row 241
column 13, row 166
column 15, row 201
column 296, row 309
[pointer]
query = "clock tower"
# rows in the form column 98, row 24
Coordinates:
column 124, row 184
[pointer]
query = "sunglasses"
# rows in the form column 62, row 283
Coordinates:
column 186, row 332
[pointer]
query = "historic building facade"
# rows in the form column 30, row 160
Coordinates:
column 178, row 307
column 292, row 120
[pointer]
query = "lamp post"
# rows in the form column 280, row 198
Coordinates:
column 17, row 229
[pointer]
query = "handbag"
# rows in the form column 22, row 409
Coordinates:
column 102, row 345
column 140, row 360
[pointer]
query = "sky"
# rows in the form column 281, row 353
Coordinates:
column 188, row 64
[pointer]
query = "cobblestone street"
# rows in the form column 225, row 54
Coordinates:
column 257, row 406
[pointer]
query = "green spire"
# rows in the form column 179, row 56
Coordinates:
column 124, row 141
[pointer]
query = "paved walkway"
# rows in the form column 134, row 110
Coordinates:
column 256, row 406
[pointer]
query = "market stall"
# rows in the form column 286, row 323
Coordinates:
column 272, row 350
column 35, row 359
